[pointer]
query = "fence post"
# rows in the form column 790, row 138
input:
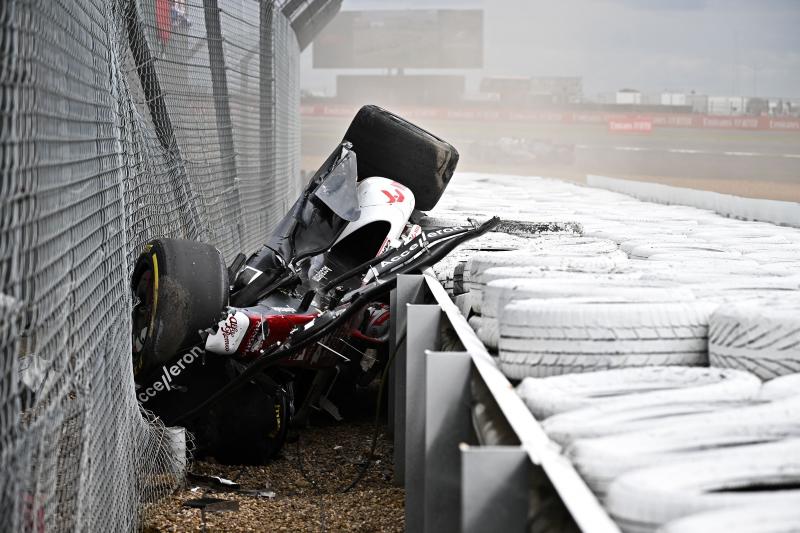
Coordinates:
column 222, row 110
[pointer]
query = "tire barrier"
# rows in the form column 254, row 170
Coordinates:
column 545, row 338
column 763, row 337
column 654, row 385
column 643, row 500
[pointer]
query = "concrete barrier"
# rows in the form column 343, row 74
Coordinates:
column 773, row 211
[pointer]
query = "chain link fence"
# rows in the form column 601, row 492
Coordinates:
column 120, row 121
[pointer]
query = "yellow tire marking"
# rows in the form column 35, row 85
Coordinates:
column 155, row 295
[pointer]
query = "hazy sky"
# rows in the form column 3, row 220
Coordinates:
column 711, row 46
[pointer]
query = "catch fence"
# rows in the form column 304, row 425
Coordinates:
column 121, row 121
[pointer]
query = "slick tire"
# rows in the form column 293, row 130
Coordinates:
column 181, row 287
column 390, row 146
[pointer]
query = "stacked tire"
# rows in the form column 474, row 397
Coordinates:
column 761, row 337
column 660, row 444
column 581, row 320
column 546, row 338
column 498, row 294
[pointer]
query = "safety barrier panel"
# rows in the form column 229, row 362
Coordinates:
column 452, row 482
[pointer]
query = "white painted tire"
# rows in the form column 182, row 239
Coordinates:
column 616, row 418
column 629, row 245
column 775, row 256
column 705, row 279
column 682, row 249
column 703, row 264
column 499, row 293
column 488, row 334
column 652, row 385
column 601, row 460
column 763, row 338
column 541, row 338
column 699, row 256
column 578, row 263
column 577, row 246
column 780, row 388
column 737, row 282
column 768, row 517
column 476, row 284
column 485, row 330
column 642, row 500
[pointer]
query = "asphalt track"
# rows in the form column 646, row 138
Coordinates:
column 746, row 163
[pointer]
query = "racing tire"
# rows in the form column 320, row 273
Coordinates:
column 182, row 288
column 643, row 500
column 763, row 338
column 249, row 426
column 541, row 338
column 652, row 385
column 389, row 146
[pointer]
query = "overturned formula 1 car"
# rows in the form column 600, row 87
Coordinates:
column 236, row 353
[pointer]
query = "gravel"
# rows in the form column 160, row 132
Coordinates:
column 301, row 490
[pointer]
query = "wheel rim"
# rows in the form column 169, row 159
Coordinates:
column 142, row 316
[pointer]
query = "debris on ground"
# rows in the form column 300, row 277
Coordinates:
column 299, row 491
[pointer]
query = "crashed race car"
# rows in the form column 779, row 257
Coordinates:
column 237, row 353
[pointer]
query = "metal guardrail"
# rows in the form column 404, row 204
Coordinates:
column 451, row 483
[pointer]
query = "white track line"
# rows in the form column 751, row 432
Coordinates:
column 687, row 151
column 682, row 151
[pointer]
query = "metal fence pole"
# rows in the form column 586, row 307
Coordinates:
column 222, row 109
